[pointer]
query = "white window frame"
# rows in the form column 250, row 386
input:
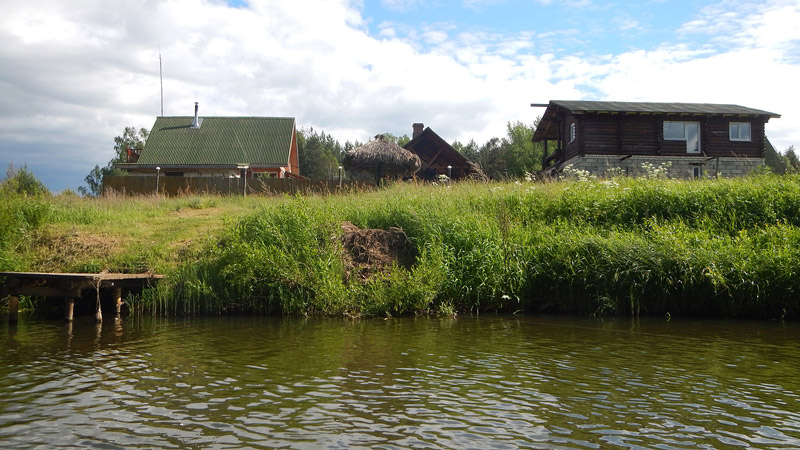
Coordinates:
column 572, row 133
column 686, row 134
column 737, row 126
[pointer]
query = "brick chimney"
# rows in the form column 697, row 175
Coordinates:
column 418, row 127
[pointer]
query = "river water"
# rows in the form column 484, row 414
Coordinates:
column 487, row 382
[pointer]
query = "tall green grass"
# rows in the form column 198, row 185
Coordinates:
column 723, row 248
column 20, row 216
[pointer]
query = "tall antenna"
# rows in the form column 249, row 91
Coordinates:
column 161, row 80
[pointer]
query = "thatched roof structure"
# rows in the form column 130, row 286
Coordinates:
column 382, row 158
column 474, row 172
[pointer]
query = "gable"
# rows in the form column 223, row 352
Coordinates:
column 258, row 141
column 435, row 151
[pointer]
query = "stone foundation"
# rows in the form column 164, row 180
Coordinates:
column 681, row 167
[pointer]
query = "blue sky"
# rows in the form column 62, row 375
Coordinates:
column 76, row 73
column 560, row 27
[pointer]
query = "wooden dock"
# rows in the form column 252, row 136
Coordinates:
column 69, row 286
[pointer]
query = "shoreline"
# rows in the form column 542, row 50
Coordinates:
column 620, row 247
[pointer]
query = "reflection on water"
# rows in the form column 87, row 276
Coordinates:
column 488, row 382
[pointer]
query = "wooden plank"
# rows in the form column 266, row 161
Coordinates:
column 83, row 276
column 34, row 291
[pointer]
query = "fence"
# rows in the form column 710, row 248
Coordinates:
column 172, row 186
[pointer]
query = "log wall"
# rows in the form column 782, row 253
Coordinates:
column 640, row 134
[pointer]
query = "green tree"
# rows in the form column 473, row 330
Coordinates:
column 319, row 154
column 791, row 160
column 470, row 150
column 23, row 182
column 131, row 138
column 521, row 154
column 512, row 156
column 399, row 140
column 492, row 158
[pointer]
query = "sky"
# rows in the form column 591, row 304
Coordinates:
column 74, row 74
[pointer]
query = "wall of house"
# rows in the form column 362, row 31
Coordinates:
column 683, row 167
column 294, row 159
column 637, row 134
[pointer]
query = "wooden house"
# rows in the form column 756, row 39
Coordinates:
column 438, row 157
column 232, row 147
column 696, row 139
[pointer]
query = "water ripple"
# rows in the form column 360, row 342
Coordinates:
column 409, row 383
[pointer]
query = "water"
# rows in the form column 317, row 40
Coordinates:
column 488, row 382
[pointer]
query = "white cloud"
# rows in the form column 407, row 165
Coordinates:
column 77, row 81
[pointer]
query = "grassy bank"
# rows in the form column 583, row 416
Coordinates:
column 720, row 248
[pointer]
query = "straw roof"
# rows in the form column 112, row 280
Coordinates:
column 474, row 172
column 382, row 157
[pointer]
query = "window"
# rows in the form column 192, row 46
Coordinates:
column 683, row 131
column 739, row 131
column 572, row 132
column 696, row 172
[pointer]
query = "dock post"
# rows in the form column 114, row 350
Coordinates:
column 118, row 301
column 70, row 307
column 13, row 308
column 99, row 315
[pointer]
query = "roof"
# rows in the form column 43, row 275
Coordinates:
column 380, row 153
column 555, row 108
column 578, row 106
column 437, row 148
column 257, row 141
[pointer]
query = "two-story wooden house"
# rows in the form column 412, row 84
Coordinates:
column 697, row 139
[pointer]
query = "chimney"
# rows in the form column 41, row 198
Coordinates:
column 197, row 121
column 418, row 127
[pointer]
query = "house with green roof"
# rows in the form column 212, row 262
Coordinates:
column 231, row 147
column 691, row 139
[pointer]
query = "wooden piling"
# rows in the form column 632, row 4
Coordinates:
column 13, row 308
column 69, row 308
column 118, row 300
column 99, row 315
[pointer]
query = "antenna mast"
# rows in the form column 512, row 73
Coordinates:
column 161, row 80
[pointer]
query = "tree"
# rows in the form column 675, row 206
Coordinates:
column 522, row 155
column 399, row 140
column 792, row 161
column 319, row 154
column 492, row 158
column 131, row 138
column 22, row 181
column 470, row 150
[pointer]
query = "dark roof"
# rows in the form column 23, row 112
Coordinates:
column 429, row 145
column 258, row 141
column 545, row 130
column 578, row 106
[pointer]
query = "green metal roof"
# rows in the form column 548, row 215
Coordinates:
column 258, row 141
